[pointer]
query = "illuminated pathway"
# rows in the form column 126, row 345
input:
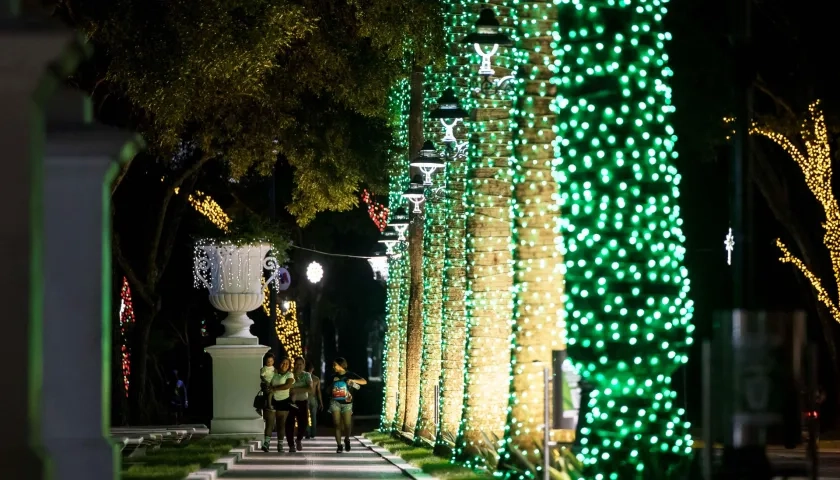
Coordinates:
column 317, row 460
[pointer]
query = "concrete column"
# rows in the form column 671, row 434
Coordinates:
column 81, row 160
column 235, row 382
column 26, row 50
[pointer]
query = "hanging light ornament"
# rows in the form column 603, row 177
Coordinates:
column 399, row 222
column 427, row 161
column 415, row 193
column 449, row 112
column 314, row 272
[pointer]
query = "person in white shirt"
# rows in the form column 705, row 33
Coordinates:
column 279, row 386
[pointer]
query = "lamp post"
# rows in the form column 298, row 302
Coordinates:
column 487, row 34
column 428, row 161
column 399, row 222
column 415, row 193
column 390, row 239
column 449, row 112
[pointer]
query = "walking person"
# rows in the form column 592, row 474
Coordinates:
column 299, row 414
column 266, row 375
column 279, row 387
column 178, row 400
column 341, row 401
column 315, row 401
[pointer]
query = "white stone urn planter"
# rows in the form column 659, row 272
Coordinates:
column 233, row 275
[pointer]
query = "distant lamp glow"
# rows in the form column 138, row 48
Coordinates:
column 314, row 272
column 427, row 161
column 487, row 34
column 415, row 193
column 449, row 112
column 399, row 222
column 379, row 264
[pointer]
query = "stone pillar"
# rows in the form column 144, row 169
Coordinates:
column 26, row 50
column 80, row 163
column 235, row 382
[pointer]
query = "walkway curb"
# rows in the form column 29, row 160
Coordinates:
column 409, row 470
column 224, row 463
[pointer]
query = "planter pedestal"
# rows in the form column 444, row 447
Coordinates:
column 235, row 382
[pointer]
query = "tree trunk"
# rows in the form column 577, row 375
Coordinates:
column 414, row 326
column 393, row 346
column 454, row 326
column 405, row 283
column 537, row 281
column 141, row 404
column 313, row 347
column 488, row 193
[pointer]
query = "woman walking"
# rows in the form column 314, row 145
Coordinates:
column 300, row 391
column 341, row 401
column 315, row 401
column 279, row 386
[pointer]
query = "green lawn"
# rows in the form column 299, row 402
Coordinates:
column 175, row 462
column 423, row 458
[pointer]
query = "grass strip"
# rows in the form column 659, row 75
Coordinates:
column 425, row 459
column 174, row 462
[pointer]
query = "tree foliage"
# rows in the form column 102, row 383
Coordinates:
column 254, row 81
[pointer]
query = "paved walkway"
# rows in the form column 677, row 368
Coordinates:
column 318, row 459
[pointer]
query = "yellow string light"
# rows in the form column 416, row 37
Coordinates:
column 285, row 325
column 815, row 163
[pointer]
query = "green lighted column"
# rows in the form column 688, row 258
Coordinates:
column 627, row 303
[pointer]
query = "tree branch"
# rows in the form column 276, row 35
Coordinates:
column 172, row 232
column 822, row 294
column 138, row 286
column 153, row 273
column 763, row 88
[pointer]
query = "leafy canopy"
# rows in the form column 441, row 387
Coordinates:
column 254, row 81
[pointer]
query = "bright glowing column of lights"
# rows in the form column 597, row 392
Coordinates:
column 537, row 279
column 397, row 288
column 458, row 21
column 627, row 303
column 489, row 272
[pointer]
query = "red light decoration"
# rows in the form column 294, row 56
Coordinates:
column 378, row 212
column 126, row 320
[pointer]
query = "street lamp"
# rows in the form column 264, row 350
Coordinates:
column 415, row 193
column 427, row 161
column 449, row 112
column 379, row 264
column 390, row 239
column 487, row 34
column 399, row 222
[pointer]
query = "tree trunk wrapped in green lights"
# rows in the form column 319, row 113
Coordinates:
column 397, row 283
column 458, row 21
column 489, row 275
column 627, row 303
column 537, row 281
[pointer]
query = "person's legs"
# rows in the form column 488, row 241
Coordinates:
column 268, row 418
column 313, row 418
column 290, row 428
column 347, row 421
column 302, row 418
column 280, row 420
column 336, row 414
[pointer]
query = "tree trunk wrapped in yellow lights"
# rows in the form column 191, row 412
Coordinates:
column 391, row 355
column 488, row 274
column 537, row 281
column 815, row 162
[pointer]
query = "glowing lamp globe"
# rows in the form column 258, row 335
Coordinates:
column 415, row 193
column 314, row 272
column 427, row 161
column 399, row 222
column 449, row 112
column 487, row 34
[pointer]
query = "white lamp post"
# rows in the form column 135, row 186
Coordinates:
column 415, row 193
column 487, row 34
column 428, row 161
column 399, row 222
